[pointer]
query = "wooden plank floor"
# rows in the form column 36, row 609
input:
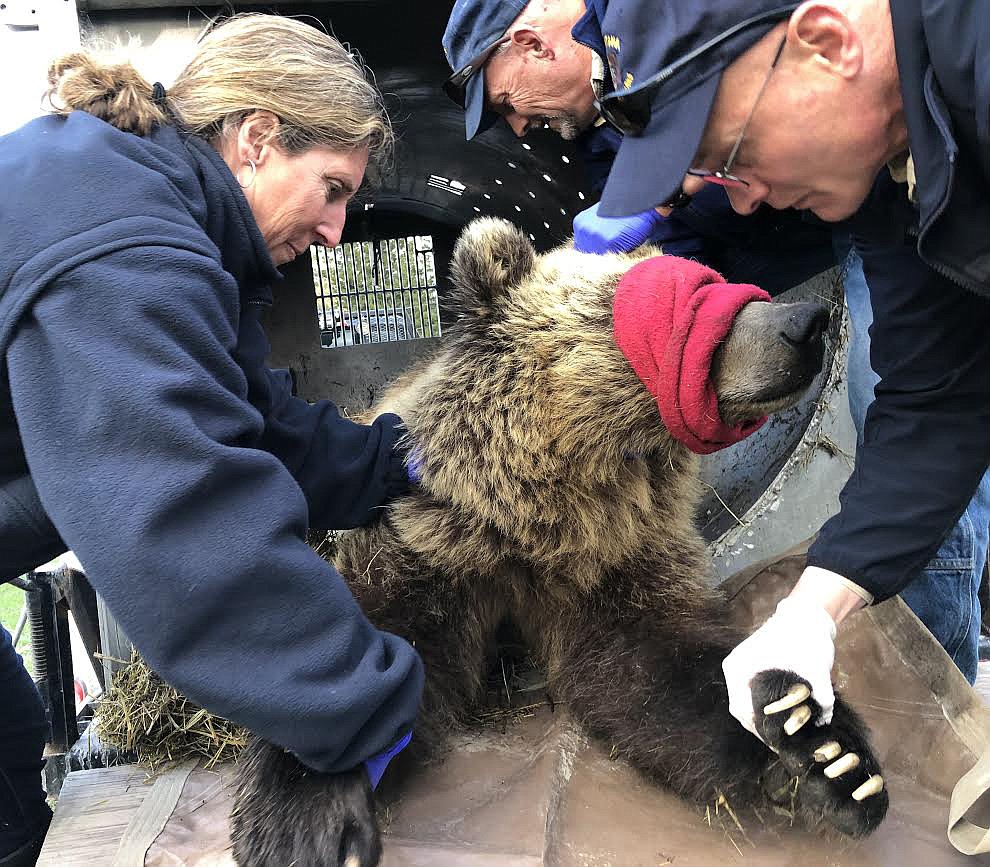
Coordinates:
column 94, row 808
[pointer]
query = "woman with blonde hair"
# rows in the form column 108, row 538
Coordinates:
column 139, row 427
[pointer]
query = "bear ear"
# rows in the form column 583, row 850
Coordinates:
column 490, row 257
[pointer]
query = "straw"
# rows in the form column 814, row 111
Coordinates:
column 143, row 715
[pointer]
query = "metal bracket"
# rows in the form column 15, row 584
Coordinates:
column 50, row 596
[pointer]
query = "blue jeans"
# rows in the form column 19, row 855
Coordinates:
column 23, row 731
column 945, row 595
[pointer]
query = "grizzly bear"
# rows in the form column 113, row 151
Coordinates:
column 554, row 498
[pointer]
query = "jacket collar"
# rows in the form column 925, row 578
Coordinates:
column 936, row 49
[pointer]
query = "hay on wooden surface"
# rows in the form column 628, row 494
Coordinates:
column 142, row 714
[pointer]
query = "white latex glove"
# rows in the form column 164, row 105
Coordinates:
column 800, row 637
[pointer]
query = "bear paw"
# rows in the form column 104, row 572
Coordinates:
column 286, row 813
column 838, row 774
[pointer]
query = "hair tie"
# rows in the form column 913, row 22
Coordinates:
column 158, row 94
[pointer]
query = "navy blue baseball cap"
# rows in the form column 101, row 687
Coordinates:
column 666, row 62
column 474, row 30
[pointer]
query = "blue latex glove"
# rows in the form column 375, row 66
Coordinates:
column 376, row 764
column 594, row 234
column 414, row 465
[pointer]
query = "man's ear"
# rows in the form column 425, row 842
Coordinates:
column 530, row 42
column 826, row 36
column 256, row 134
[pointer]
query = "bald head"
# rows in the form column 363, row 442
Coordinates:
column 828, row 120
column 541, row 76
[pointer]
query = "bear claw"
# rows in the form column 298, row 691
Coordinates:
column 873, row 786
column 795, row 695
column 828, row 751
column 797, row 719
column 842, row 766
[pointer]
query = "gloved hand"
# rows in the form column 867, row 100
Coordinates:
column 798, row 637
column 376, row 764
column 414, row 465
column 594, row 234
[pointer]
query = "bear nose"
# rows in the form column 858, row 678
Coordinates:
column 805, row 322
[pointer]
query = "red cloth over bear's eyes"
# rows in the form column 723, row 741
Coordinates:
column 670, row 315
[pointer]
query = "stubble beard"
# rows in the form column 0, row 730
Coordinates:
column 565, row 125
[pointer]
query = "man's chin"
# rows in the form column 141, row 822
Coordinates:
column 567, row 126
column 834, row 210
column 566, row 129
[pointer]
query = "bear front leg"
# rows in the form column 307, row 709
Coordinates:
column 287, row 813
column 450, row 619
column 651, row 688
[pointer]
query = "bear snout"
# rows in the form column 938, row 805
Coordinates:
column 801, row 330
column 770, row 358
column 804, row 322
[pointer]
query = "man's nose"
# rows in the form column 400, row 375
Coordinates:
column 745, row 200
column 518, row 124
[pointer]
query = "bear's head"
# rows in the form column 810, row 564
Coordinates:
column 533, row 422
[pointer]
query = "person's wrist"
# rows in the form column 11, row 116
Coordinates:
column 830, row 591
column 635, row 230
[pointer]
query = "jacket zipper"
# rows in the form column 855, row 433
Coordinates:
column 950, row 154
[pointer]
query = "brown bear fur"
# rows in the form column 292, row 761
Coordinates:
column 552, row 497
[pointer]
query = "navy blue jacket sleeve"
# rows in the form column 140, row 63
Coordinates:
column 926, row 436
column 347, row 471
column 145, row 451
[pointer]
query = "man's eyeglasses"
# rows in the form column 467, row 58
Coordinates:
column 629, row 111
column 456, row 86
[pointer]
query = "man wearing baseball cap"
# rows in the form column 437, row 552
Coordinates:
column 537, row 62
column 874, row 112
column 493, row 45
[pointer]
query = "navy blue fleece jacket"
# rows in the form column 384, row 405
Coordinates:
column 927, row 262
column 140, row 428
